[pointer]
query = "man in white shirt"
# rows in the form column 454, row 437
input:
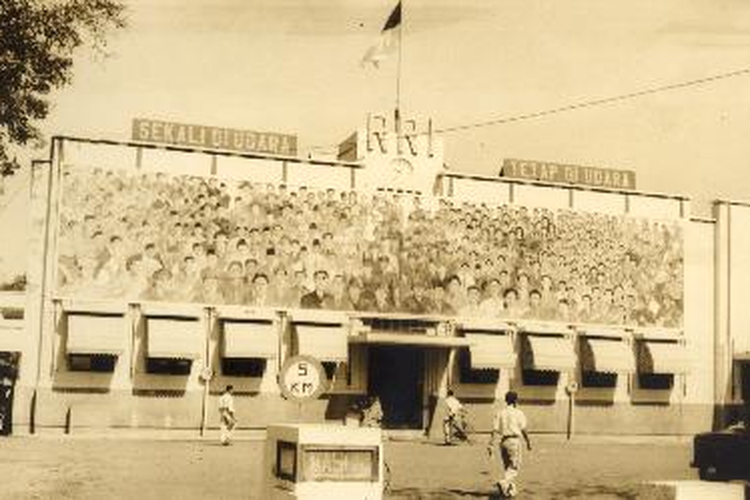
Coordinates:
column 510, row 426
column 227, row 416
column 454, row 418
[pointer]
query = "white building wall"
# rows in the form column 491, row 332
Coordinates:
column 599, row 202
column 254, row 170
column 175, row 162
column 732, row 295
column 104, row 156
column 540, row 196
column 699, row 311
column 479, row 191
column 723, row 351
column 739, row 284
column 699, row 280
column 319, row 176
column 655, row 207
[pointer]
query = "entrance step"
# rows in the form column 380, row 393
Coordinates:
column 696, row 490
column 404, row 434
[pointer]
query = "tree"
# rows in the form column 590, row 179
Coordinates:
column 37, row 42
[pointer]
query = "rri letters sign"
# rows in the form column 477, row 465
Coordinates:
column 202, row 136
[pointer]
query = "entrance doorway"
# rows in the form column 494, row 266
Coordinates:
column 8, row 371
column 396, row 376
column 745, row 382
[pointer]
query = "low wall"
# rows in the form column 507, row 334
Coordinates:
column 604, row 419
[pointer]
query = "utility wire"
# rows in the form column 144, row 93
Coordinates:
column 599, row 102
column 579, row 105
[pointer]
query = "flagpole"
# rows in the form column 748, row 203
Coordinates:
column 398, row 81
column 398, row 69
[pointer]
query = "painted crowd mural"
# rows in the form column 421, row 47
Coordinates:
column 175, row 238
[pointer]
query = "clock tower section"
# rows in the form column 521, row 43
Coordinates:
column 397, row 155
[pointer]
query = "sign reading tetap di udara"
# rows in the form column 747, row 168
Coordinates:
column 572, row 174
column 204, row 136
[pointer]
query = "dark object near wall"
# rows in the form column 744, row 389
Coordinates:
column 8, row 373
column 722, row 455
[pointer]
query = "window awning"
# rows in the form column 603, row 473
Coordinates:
column 602, row 332
column 245, row 339
column 548, row 353
column 607, row 356
column 96, row 334
column 662, row 357
column 323, row 342
column 491, row 351
column 483, row 325
column 412, row 339
column 174, row 338
column 541, row 328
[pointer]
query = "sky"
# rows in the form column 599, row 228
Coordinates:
column 293, row 66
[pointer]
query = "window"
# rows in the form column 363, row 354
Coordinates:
column 598, row 379
column 286, row 461
column 540, row 377
column 91, row 363
column 168, row 366
column 11, row 313
column 658, row 381
column 243, row 367
column 468, row 375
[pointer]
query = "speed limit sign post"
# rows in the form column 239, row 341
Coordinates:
column 302, row 378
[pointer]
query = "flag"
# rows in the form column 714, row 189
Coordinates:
column 389, row 39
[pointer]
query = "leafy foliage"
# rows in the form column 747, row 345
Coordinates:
column 37, row 42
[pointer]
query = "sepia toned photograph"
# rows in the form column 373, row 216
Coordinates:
column 374, row 249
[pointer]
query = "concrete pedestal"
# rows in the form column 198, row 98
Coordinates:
column 696, row 490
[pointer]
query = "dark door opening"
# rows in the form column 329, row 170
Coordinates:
column 8, row 372
column 396, row 376
column 745, row 382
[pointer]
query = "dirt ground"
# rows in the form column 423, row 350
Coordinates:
column 94, row 468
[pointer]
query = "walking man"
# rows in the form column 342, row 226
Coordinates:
column 227, row 415
column 510, row 426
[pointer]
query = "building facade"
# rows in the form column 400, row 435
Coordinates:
column 158, row 275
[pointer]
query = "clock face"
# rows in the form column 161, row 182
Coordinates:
column 401, row 171
column 402, row 166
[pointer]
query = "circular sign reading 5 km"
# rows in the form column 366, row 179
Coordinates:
column 302, row 378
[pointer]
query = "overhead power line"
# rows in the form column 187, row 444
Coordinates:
column 598, row 102
column 590, row 103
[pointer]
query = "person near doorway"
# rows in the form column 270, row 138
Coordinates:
column 454, row 423
column 372, row 413
column 509, row 425
column 6, row 400
column 228, row 419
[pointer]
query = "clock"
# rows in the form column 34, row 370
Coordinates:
column 402, row 166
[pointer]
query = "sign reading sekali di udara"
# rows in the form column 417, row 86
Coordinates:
column 572, row 174
column 203, row 136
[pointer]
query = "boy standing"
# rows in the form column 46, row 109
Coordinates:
column 510, row 425
column 226, row 415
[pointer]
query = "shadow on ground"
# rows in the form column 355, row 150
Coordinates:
column 628, row 492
